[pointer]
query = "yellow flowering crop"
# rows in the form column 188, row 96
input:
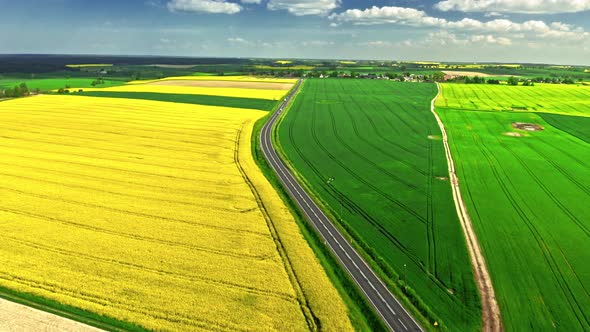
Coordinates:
column 90, row 65
column 241, row 78
column 224, row 92
column 145, row 212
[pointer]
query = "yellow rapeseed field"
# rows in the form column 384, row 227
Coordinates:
column 91, row 65
column 196, row 90
column 152, row 213
column 241, row 78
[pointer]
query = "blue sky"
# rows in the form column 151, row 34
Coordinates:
column 542, row 31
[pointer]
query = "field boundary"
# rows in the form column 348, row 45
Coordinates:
column 492, row 320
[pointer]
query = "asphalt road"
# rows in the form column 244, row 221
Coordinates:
column 386, row 305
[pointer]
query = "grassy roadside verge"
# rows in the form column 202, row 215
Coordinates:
column 361, row 313
column 419, row 310
column 69, row 312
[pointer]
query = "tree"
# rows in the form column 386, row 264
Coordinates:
column 439, row 76
column 513, row 80
column 24, row 89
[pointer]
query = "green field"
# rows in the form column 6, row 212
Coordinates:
column 548, row 98
column 48, row 84
column 577, row 126
column 250, row 103
column 528, row 198
column 382, row 146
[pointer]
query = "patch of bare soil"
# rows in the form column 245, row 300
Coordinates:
column 226, row 84
column 465, row 73
column 512, row 134
column 17, row 317
column 471, row 74
column 527, row 126
column 491, row 317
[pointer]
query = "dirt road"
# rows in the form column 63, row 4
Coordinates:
column 492, row 320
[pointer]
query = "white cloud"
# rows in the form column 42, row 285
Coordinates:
column 381, row 15
column 376, row 43
column 446, row 38
column 304, row 7
column 256, row 2
column 317, row 43
column 417, row 18
column 516, row 6
column 493, row 14
column 238, row 40
column 490, row 39
column 205, row 6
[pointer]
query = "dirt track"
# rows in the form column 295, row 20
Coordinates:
column 492, row 320
column 16, row 317
column 226, row 84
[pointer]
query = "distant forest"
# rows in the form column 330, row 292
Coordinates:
column 29, row 63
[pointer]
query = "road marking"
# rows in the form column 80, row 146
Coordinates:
column 404, row 325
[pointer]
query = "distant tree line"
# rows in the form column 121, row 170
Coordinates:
column 97, row 81
column 556, row 80
column 21, row 90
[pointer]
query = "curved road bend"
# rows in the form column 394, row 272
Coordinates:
column 386, row 305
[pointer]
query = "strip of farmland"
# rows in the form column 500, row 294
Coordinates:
column 527, row 192
column 548, row 98
column 576, row 126
column 234, row 102
column 371, row 153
